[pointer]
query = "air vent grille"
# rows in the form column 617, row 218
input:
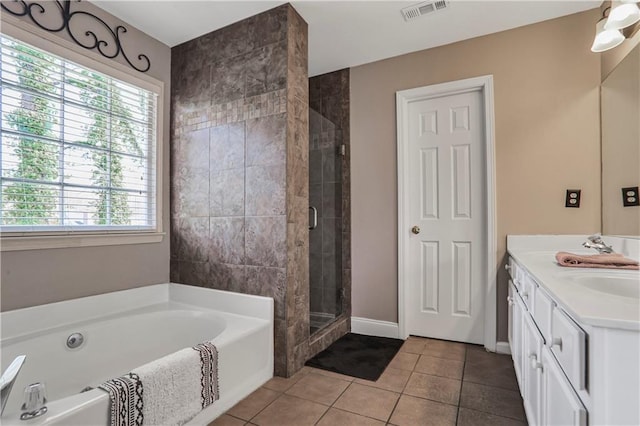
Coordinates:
column 425, row 8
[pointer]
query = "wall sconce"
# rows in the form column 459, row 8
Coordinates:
column 606, row 38
column 622, row 14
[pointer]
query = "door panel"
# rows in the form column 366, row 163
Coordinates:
column 447, row 258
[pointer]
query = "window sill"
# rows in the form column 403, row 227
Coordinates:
column 39, row 242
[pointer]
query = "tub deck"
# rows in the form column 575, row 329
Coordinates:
column 127, row 329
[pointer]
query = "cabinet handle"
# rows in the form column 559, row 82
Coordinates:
column 510, row 300
column 507, row 267
column 535, row 364
column 556, row 341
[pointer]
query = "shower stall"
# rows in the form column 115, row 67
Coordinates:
column 328, row 199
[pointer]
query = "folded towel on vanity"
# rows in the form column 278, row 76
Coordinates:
column 173, row 389
column 609, row 261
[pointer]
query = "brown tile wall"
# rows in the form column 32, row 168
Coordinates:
column 297, row 195
column 239, row 168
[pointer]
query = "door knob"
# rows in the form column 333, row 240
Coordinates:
column 415, row 229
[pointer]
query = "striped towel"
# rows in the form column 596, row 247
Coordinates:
column 126, row 398
column 171, row 392
column 209, row 373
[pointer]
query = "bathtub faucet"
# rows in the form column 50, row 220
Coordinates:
column 8, row 378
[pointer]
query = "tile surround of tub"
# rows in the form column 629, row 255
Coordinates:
column 239, row 154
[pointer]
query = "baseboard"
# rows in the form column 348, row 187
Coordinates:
column 372, row 327
column 503, row 348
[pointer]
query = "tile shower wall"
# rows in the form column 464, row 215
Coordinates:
column 239, row 170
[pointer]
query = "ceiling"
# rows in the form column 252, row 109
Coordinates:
column 345, row 33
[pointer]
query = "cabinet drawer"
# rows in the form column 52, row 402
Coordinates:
column 516, row 273
column 568, row 343
column 528, row 291
column 542, row 311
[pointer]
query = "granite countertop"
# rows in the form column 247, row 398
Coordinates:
column 536, row 254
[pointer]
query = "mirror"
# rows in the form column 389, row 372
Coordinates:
column 620, row 124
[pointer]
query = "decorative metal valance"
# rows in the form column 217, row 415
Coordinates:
column 89, row 40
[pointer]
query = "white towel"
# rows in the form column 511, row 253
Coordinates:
column 176, row 387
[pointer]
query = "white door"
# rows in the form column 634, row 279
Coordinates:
column 446, row 276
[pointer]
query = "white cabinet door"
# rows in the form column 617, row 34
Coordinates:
column 516, row 349
column 561, row 404
column 532, row 371
column 511, row 302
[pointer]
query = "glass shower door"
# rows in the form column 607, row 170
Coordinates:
column 325, row 238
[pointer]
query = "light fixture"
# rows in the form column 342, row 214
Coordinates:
column 623, row 15
column 606, row 39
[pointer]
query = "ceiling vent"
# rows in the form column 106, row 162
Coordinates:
column 417, row 10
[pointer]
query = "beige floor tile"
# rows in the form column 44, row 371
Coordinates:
column 469, row 417
column 335, row 417
column 290, row 411
column 440, row 389
column 417, row 338
column 253, row 404
column 227, row 420
column 490, row 369
column 367, row 401
column 413, row 346
column 317, row 388
column 404, row 361
column 445, row 349
column 392, row 379
column 331, row 374
column 412, row 411
column 444, row 367
column 281, row 384
column 493, row 400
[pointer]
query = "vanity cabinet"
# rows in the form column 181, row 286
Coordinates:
column 569, row 372
column 548, row 395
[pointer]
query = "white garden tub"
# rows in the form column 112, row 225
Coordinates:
column 126, row 329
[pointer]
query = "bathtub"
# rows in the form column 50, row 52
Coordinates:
column 124, row 330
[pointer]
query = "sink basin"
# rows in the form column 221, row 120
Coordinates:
column 625, row 285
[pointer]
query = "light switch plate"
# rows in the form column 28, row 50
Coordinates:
column 573, row 198
column 630, row 196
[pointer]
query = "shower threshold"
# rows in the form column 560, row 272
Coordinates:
column 319, row 320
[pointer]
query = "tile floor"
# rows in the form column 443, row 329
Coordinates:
column 429, row 382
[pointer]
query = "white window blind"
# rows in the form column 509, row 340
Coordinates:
column 78, row 147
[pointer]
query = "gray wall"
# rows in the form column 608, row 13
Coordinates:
column 239, row 191
column 35, row 277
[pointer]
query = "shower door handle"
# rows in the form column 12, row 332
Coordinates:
column 314, row 221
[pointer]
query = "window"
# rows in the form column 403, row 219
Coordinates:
column 78, row 147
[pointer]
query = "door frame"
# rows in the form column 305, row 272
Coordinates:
column 483, row 84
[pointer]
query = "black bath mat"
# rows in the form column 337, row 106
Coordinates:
column 357, row 355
